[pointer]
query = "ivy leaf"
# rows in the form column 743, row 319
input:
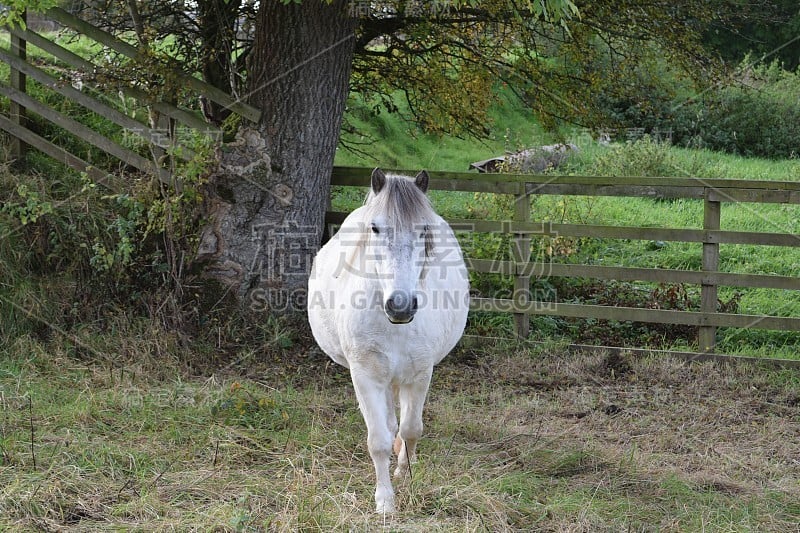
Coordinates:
column 11, row 14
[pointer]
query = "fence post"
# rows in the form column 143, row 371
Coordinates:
column 708, row 291
column 17, row 80
column 522, row 256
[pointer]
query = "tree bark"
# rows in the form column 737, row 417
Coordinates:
column 266, row 203
column 216, row 28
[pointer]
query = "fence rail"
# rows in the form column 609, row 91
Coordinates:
column 713, row 193
column 159, row 136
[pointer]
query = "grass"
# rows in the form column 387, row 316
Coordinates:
column 516, row 439
column 646, row 158
column 388, row 140
column 78, row 44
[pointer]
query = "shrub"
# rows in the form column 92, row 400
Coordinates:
column 70, row 251
column 756, row 114
column 759, row 116
column 643, row 157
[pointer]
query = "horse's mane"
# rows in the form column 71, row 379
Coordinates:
column 401, row 202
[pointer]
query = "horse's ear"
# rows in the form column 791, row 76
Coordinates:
column 378, row 180
column 421, row 180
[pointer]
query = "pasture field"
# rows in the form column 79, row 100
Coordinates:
column 120, row 422
column 131, row 429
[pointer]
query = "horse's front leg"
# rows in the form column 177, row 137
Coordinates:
column 375, row 401
column 412, row 400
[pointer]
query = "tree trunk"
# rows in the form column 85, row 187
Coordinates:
column 217, row 27
column 266, row 203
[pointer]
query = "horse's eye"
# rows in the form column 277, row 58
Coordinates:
column 374, row 229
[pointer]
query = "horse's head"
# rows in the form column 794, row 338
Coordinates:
column 398, row 224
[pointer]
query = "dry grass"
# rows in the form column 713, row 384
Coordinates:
column 515, row 440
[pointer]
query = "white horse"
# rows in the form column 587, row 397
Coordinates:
column 388, row 299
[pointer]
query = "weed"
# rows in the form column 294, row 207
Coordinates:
column 642, row 157
column 249, row 407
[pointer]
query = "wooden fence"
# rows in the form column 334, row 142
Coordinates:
column 160, row 136
column 713, row 192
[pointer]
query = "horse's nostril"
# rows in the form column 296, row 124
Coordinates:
column 414, row 304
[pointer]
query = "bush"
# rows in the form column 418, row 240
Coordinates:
column 759, row 116
column 71, row 253
column 643, row 157
column 637, row 96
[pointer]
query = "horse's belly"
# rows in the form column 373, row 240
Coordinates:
column 326, row 336
column 322, row 316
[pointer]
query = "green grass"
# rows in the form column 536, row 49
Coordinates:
column 515, row 440
column 83, row 46
column 647, row 159
column 396, row 143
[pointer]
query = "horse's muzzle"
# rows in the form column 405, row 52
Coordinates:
column 400, row 307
